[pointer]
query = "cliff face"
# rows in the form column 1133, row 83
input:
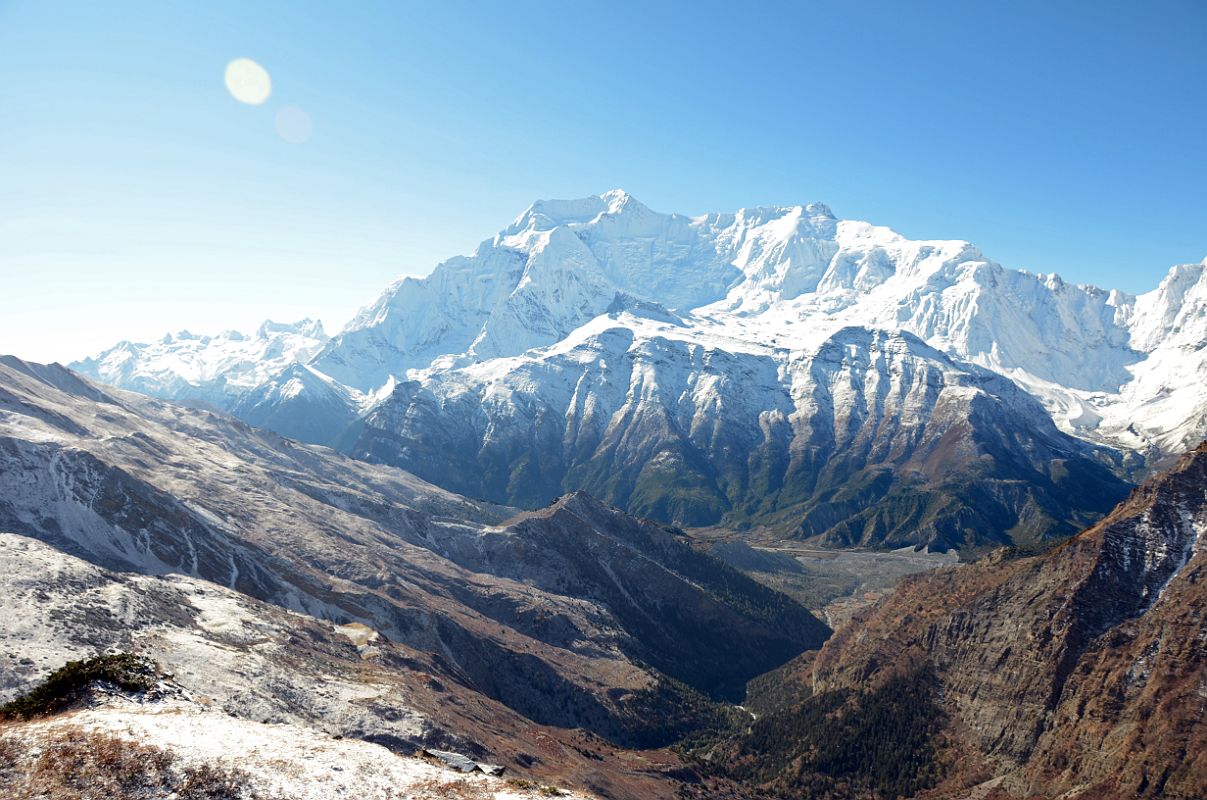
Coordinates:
column 1081, row 670
column 866, row 438
column 1085, row 666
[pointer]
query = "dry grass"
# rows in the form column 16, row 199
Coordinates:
column 86, row 765
column 532, row 786
column 453, row 790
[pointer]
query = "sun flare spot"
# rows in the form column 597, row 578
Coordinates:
column 247, row 81
column 293, row 124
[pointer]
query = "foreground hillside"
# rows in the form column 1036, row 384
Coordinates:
column 1080, row 672
column 288, row 583
column 164, row 742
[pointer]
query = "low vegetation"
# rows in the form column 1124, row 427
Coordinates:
column 69, row 683
column 543, row 790
column 87, row 764
column 670, row 710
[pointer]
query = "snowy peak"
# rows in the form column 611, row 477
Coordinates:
column 1177, row 308
column 786, row 277
column 301, row 403
column 210, row 369
column 545, row 215
column 560, row 264
column 308, row 328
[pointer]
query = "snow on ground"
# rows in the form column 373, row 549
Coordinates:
column 219, row 644
column 282, row 760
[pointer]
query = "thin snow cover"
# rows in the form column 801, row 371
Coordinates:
column 218, row 643
column 281, row 760
column 576, row 278
column 1197, row 529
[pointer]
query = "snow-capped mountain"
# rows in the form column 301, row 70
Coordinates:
column 210, row 369
column 301, row 403
column 732, row 361
column 794, row 276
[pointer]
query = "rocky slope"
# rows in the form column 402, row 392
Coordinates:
column 255, row 685
column 131, row 484
column 127, row 749
column 1080, row 672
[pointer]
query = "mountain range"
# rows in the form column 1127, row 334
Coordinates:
column 307, row 613
column 776, row 367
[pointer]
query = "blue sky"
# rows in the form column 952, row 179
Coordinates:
column 137, row 196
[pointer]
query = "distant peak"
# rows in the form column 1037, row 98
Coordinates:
column 816, row 214
column 312, row 328
column 615, row 196
column 180, row 336
column 618, row 199
column 1188, row 271
column 547, row 214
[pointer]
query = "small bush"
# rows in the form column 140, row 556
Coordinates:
column 70, row 683
column 525, row 785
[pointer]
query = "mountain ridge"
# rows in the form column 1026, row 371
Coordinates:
column 135, row 485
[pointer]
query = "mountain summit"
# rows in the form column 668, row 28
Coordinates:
column 768, row 365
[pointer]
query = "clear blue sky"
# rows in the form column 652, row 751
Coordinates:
column 137, row 196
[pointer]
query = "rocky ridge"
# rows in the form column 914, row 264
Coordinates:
column 190, row 499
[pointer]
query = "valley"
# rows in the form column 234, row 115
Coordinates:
column 835, row 584
column 603, row 401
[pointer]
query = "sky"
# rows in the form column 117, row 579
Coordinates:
column 139, row 196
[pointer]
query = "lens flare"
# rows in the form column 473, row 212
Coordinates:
column 293, row 124
column 247, row 81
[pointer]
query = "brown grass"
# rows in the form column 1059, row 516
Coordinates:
column 453, row 790
column 80, row 764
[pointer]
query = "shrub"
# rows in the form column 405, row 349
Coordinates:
column 70, row 683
